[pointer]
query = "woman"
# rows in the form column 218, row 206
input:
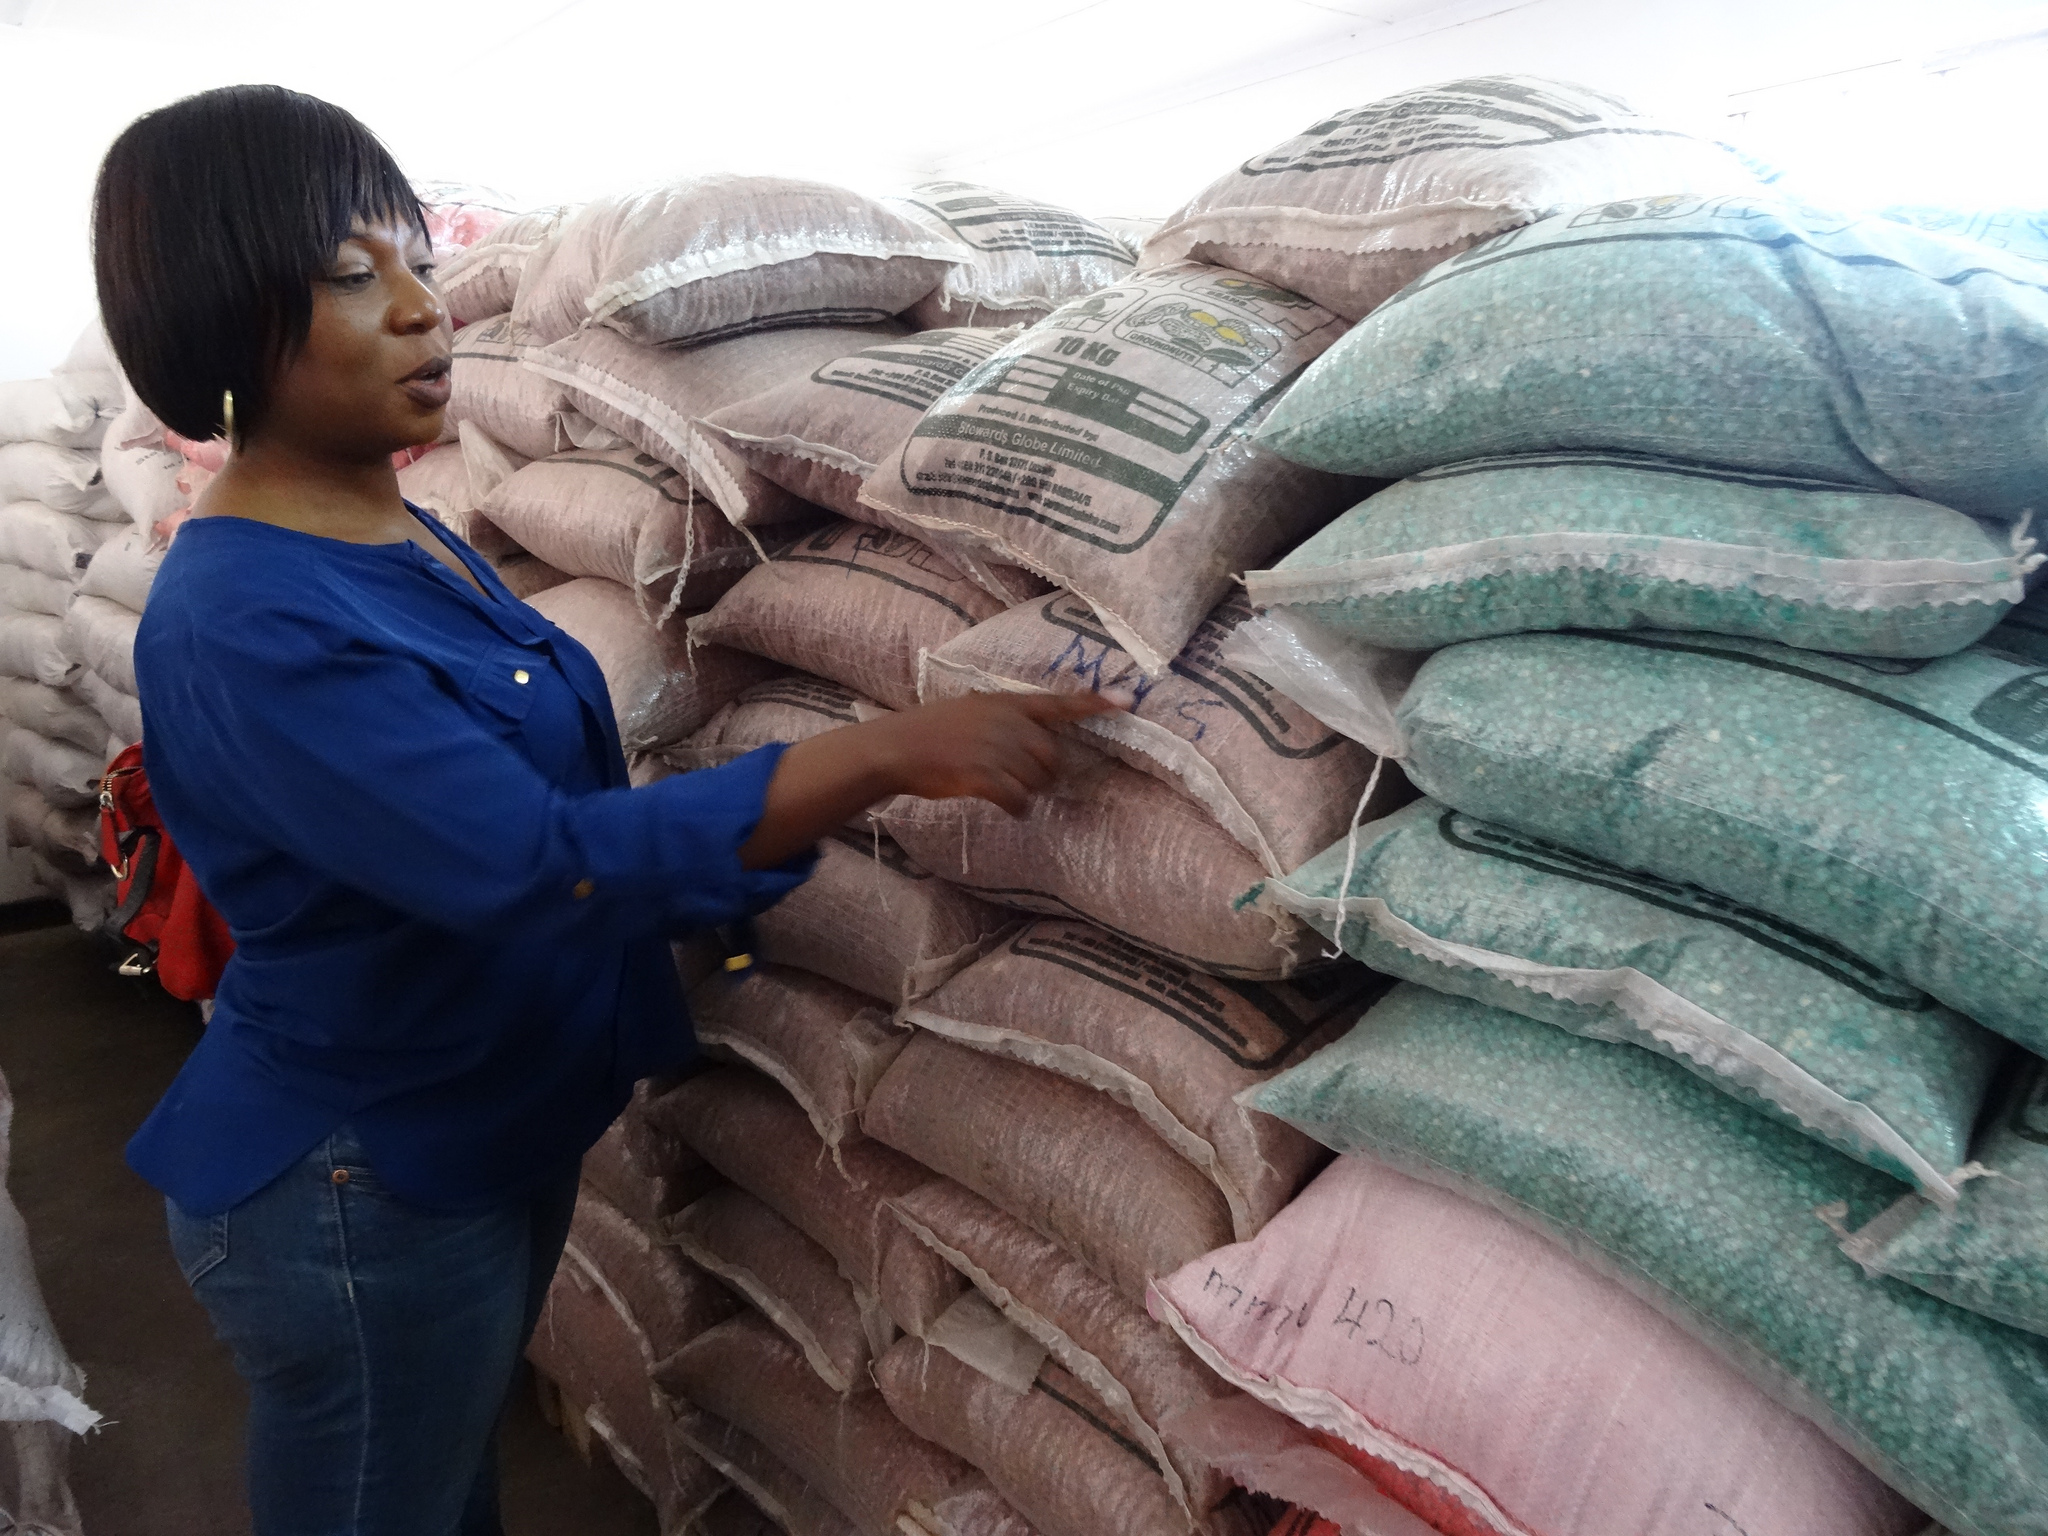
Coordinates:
column 404, row 790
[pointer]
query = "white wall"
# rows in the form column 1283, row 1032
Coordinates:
column 1115, row 106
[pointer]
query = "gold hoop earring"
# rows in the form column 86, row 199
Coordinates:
column 227, row 415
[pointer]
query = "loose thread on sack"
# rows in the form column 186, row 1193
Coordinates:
column 675, row 596
column 881, row 889
column 2025, row 548
column 1351, row 857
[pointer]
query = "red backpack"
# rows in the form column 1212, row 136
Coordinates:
column 159, row 915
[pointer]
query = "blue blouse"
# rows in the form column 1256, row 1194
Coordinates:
column 452, row 913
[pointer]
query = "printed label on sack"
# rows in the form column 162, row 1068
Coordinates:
column 812, row 695
column 1088, row 653
column 2018, row 712
column 1481, row 114
column 1830, row 959
column 892, row 557
column 1254, row 1024
column 1085, row 432
column 913, row 373
column 990, row 221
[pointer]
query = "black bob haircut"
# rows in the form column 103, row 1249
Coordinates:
column 212, row 220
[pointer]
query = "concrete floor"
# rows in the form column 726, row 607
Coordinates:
column 87, row 1054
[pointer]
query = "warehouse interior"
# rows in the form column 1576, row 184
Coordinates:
column 1407, row 645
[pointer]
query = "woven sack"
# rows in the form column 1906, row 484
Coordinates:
column 662, row 687
column 1028, row 257
column 123, row 569
column 781, row 1501
column 1589, row 540
column 644, row 1164
column 591, row 1349
column 1740, row 331
column 1107, row 449
column 819, row 435
column 1357, row 205
column 62, row 774
column 1890, row 808
column 849, row 602
column 627, row 517
column 747, row 1128
column 1049, row 1448
column 482, row 279
column 32, row 646
column 655, row 398
column 1118, row 849
column 1990, row 1252
column 1274, row 777
column 826, row 1044
column 1706, row 1211
column 1176, row 1046
column 794, row 707
column 41, row 538
column 1782, row 1019
column 873, row 919
column 27, row 591
column 62, row 410
column 58, row 713
column 121, row 711
column 708, row 258
column 62, row 479
column 787, row 1278
column 493, row 388
column 664, row 1296
column 100, row 634
column 1138, row 1370
column 1072, row 1163
column 1379, row 1310
column 851, row 1449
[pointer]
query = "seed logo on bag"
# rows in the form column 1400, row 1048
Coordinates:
column 1056, row 420
column 1489, row 113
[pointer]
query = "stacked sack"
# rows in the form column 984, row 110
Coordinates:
column 1059, row 1124
column 962, row 1204
column 1720, row 930
column 55, row 514
column 743, row 423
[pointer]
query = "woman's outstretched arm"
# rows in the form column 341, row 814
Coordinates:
column 999, row 747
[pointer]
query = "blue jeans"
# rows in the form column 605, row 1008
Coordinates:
column 378, row 1339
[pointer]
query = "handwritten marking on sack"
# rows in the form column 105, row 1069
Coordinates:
column 1732, row 1523
column 1369, row 1323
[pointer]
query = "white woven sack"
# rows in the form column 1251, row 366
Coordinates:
column 61, row 714
column 58, row 544
column 123, row 570
column 100, row 633
column 66, row 479
column 140, row 469
column 32, row 646
column 122, row 712
column 27, row 591
column 50, row 411
column 63, row 774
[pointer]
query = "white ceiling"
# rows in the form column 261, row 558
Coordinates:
column 1114, row 106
